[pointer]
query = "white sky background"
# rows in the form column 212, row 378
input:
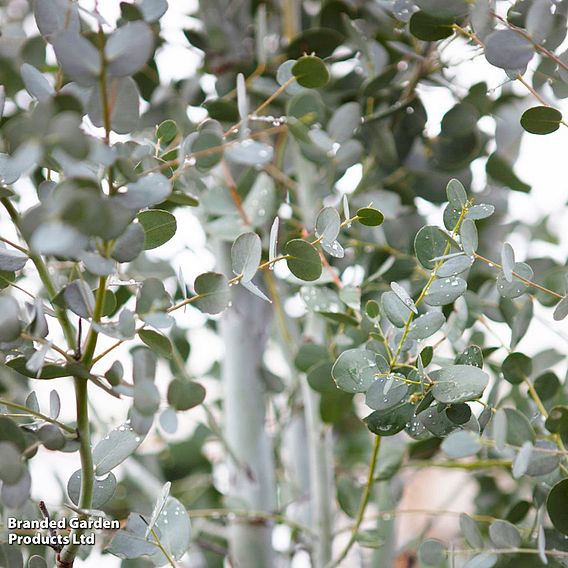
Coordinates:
column 541, row 164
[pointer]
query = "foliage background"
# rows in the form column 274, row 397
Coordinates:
column 538, row 165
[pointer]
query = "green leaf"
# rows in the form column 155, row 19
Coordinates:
column 53, row 16
column 250, row 153
column 79, row 298
column 507, row 261
column 461, row 444
column 128, row 48
column 246, row 253
column 516, row 368
column 430, row 242
column 310, row 72
column 561, row 309
column 470, row 531
column 328, row 223
column 557, row 421
column 404, row 296
column 10, row 324
column 541, row 120
column 148, row 190
column 516, row 287
column 471, row 355
column 457, row 196
column 508, row 50
column 321, row 41
column 203, row 144
column 426, row 325
column 115, row 447
column 396, row 311
column 504, row 534
column 458, row 383
column 157, row 342
column 78, row 57
column 484, row 560
column 36, row 561
column 556, row 506
column 443, row 8
column 445, row 291
column 498, row 168
column 183, row 395
column 386, row 392
column 455, row 265
column 303, row 260
column 158, row 507
column 431, row 552
column 103, row 489
column 125, row 111
column 130, row 244
column 391, row 422
column 159, row 227
column 429, row 28
column 469, row 239
column 355, row 369
column 12, row 466
column 166, row 131
column 344, row 122
column 370, row 217
column 214, row 292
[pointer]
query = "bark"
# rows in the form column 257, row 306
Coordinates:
column 244, row 329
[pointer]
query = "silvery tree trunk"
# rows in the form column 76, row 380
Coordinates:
column 319, row 434
column 244, row 329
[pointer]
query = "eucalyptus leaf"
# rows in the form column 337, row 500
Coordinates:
column 355, row 370
column 458, row 383
column 246, row 253
column 114, row 448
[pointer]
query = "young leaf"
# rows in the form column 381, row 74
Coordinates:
column 541, row 120
column 469, row 239
column 157, row 342
column 158, row 507
column 328, row 224
column 456, row 194
column 214, row 292
column 103, row 489
column 246, row 253
column 303, row 260
column 128, row 49
column 78, row 57
column 370, row 217
column 183, row 394
column 159, row 227
column 517, row 287
column 561, row 309
column 507, row 261
column 310, row 72
column 79, row 298
column 273, row 244
column 12, row 260
column 404, row 296
column 115, row 447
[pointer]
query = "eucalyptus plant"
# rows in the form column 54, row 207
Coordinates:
column 358, row 335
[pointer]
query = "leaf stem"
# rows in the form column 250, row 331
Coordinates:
column 362, row 504
column 44, row 417
column 521, row 278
